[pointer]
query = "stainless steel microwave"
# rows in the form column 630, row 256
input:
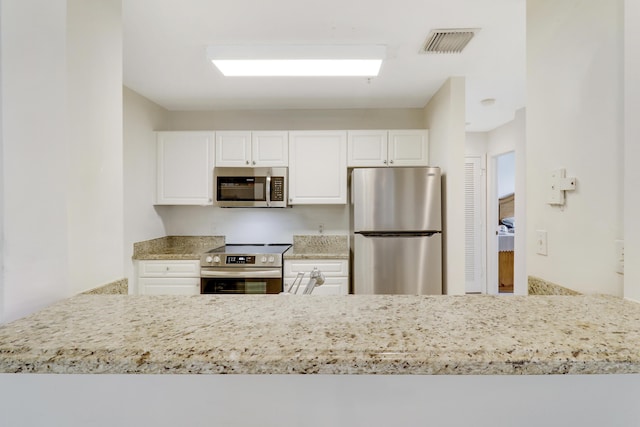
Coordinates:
column 250, row 187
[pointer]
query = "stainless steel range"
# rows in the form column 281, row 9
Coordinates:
column 242, row 269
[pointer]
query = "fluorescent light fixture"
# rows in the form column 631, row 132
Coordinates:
column 298, row 67
column 297, row 60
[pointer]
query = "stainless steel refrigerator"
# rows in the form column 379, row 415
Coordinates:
column 397, row 231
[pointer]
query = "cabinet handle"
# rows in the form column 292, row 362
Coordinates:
column 254, row 162
column 247, row 161
column 384, row 161
column 391, row 161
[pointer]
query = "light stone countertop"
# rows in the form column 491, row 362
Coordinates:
column 285, row 334
column 176, row 247
column 319, row 247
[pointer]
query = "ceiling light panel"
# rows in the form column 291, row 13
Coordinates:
column 298, row 67
column 297, row 60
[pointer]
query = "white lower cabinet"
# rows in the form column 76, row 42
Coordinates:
column 171, row 277
column 335, row 271
column 164, row 286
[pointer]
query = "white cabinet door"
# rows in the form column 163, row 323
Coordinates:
column 233, row 148
column 184, row 168
column 167, row 277
column 333, row 286
column 176, row 286
column 270, row 148
column 335, row 272
column 252, row 149
column 409, row 147
column 317, row 167
column 367, row 148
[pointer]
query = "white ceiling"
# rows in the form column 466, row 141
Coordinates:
column 165, row 53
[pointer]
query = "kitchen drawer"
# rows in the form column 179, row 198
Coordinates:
column 328, row 267
column 166, row 286
column 176, row 268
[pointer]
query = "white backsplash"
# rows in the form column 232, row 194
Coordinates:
column 254, row 225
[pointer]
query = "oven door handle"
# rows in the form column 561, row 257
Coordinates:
column 240, row 273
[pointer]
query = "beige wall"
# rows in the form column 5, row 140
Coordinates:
column 575, row 121
column 632, row 150
column 444, row 116
column 34, row 144
column 401, row 118
column 61, row 77
column 94, row 100
column 141, row 220
column 274, row 225
column 144, row 221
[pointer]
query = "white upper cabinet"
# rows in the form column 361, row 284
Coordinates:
column 381, row 148
column 409, row 147
column 184, row 168
column 270, row 148
column 318, row 167
column 252, row 149
column 367, row 148
column 233, row 148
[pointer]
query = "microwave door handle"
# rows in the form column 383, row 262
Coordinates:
column 268, row 190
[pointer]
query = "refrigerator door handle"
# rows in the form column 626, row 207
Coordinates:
column 397, row 234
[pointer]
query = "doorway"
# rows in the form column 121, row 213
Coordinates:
column 502, row 223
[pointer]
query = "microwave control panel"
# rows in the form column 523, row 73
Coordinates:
column 277, row 189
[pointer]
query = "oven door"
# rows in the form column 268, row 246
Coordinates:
column 240, row 281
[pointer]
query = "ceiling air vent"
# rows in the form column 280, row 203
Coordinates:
column 451, row 40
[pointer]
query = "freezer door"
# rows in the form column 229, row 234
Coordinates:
column 397, row 265
column 396, row 199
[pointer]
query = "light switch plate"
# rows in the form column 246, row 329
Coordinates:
column 541, row 242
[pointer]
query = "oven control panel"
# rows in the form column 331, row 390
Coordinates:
column 217, row 259
column 240, row 259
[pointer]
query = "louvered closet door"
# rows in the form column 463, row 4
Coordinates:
column 473, row 225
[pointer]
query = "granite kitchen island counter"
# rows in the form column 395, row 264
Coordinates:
column 284, row 334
